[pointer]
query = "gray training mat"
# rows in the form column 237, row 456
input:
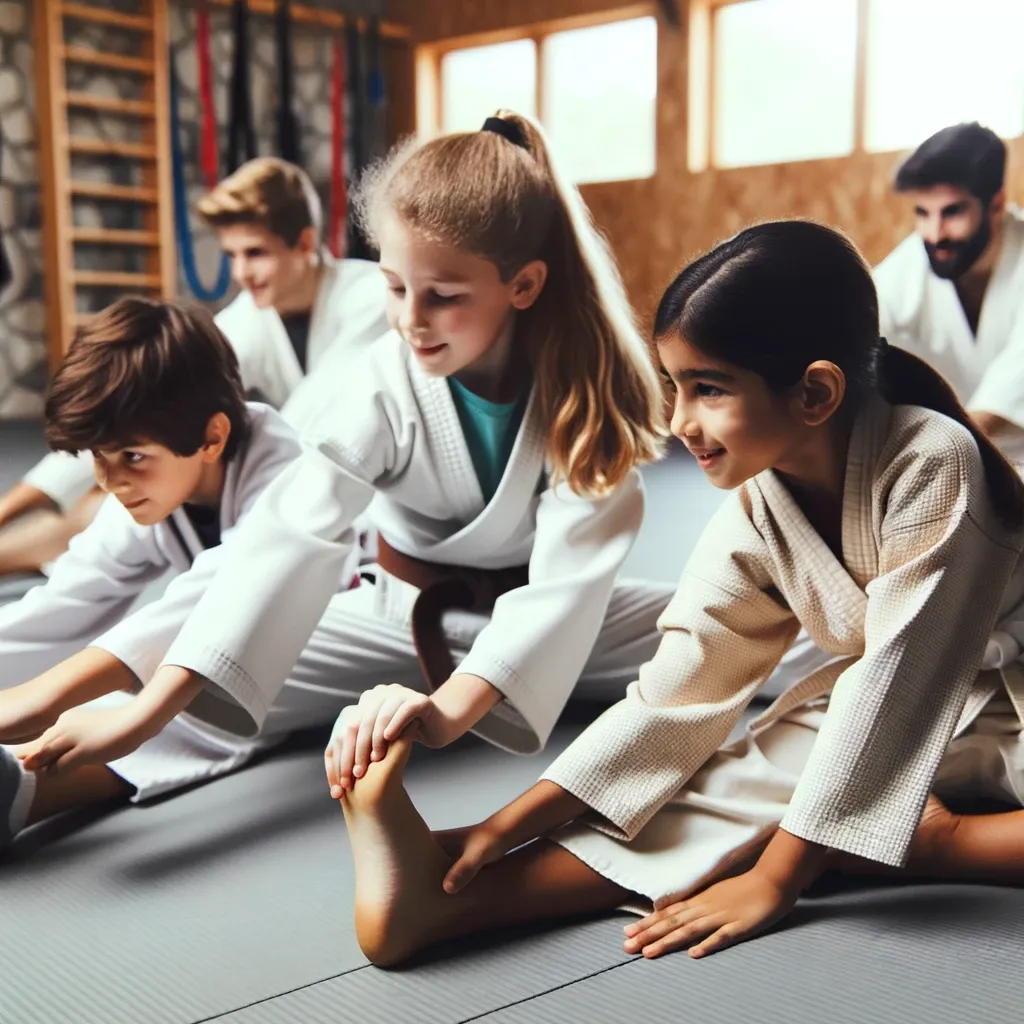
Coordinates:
column 233, row 902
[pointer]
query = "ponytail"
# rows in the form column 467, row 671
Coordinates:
column 904, row 379
column 597, row 386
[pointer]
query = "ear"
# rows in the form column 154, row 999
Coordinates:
column 998, row 204
column 528, row 284
column 819, row 393
column 308, row 244
column 218, row 430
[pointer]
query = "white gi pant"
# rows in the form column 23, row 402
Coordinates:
column 353, row 649
column 732, row 806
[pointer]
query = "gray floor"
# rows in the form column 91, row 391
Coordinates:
column 233, row 902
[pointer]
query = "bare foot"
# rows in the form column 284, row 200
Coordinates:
column 927, row 849
column 400, row 905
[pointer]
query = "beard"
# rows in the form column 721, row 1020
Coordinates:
column 959, row 257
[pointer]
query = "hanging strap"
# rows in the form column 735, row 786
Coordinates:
column 241, row 134
column 339, row 194
column 209, row 157
column 287, row 126
column 357, row 246
column 182, row 226
column 6, row 274
column 377, row 134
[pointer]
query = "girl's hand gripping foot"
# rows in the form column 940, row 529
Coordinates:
column 364, row 730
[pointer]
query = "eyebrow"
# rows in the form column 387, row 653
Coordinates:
column 947, row 211
column 702, row 373
column 447, row 279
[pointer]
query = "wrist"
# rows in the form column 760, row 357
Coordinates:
column 790, row 863
column 459, row 703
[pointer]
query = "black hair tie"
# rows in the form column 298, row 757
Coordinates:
column 506, row 129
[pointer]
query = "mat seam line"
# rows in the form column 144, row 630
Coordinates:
column 278, row 995
column 546, row 992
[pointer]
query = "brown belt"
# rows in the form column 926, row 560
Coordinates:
column 441, row 589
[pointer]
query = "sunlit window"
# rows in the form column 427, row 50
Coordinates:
column 784, row 80
column 600, row 90
column 477, row 82
column 933, row 63
column 596, row 88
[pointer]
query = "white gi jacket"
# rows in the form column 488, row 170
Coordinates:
column 922, row 313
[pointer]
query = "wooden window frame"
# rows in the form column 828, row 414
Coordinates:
column 430, row 116
column 701, row 99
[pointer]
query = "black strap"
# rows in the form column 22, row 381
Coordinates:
column 358, row 247
column 241, row 134
column 287, row 126
column 6, row 274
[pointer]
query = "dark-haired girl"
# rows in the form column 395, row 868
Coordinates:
column 867, row 509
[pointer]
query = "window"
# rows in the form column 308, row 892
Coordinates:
column 932, row 63
column 600, row 88
column 784, row 73
column 477, row 81
column 772, row 81
column 591, row 81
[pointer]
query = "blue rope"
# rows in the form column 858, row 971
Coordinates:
column 183, row 229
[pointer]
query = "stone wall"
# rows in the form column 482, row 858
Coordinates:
column 23, row 371
column 22, row 317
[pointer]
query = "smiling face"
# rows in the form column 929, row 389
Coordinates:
column 955, row 227
column 151, row 481
column 728, row 418
column 265, row 266
column 452, row 307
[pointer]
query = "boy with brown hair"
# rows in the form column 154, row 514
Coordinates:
column 300, row 317
column 152, row 390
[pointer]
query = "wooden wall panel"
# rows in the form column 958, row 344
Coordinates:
column 656, row 226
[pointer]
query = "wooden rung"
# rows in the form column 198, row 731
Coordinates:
column 115, row 279
column 109, row 147
column 110, row 104
column 77, row 320
column 114, row 236
column 87, row 55
column 86, row 12
column 106, row 190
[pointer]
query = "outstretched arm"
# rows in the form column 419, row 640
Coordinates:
column 21, row 499
column 97, row 736
column 28, row 710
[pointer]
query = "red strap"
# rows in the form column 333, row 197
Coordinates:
column 209, row 157
column 339, row 196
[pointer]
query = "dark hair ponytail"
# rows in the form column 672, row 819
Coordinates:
column 778, row 296
column 904, row 379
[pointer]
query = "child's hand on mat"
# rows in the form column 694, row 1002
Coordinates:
column 471, row 848
column 26, row 711
column 722, row 915
column 363, row 731
column 83, row 736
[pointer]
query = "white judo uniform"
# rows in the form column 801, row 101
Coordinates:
column 922, row 313
column 923, row 613
column 348, row 314
column 88, row 599
column 283, row 650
